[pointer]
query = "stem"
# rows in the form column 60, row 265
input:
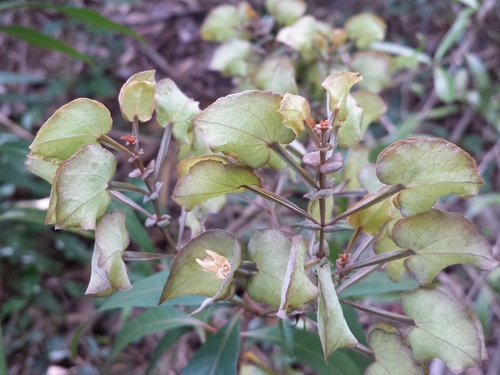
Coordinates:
column 162, row 153
column 245, row 306
column 363, row 350
column 312, row 133
column 125, row 186
column 378, row 259
column 379, row 196
column 111, row 143
column 269, row 195
column 129, row 202
column 357, row 253
column 351, row 241
column 322, row 203
column 357, row 277
column 281, row 152
column 398, row 318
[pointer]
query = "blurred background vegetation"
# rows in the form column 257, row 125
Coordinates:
column 43, row 273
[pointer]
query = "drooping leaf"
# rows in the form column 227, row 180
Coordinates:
column 173, row 107
column 230, row 58
column 72, row 126
column 373, row 107
column 349, row 132
column 441, row 239
column 154, row 319
column 375, row 67
column 270, row 250
column 188, row 276
column 36, row 38
column 109, row 273
column 244, row 125
column 338, row 85
column 444, row 328
column 219, row 354
column 210, row 178
column 277, row 74
column 295, row 110
column 333, row 330
column 137, row 95
column 428, row 168
column 79, row 196
column 365, row 28
column 371, row 219
column 393, row 356
column 286, row 12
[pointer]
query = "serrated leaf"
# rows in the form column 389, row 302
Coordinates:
column 244, row 125
column 371, row 219
column 276, row 73
column 375, row 67
column 439, row 240
column 286, row 12
column 393, row 356
column 137, row 95
column 108, row 269
column 41, row 168
column 209, row 179
column 36, row 38
column 349, row 132
column 79, row 196
column 333, row 330
column 428, row 168
column 219, row 354
column 155, row 319
column 187, row 276
column 72, row 126
column 295, row 110
column 230, row 58
column 173, row 107
column 365, row 28
column 270, row 250
column 373, row 107
column 444, row 328
column 338, row 85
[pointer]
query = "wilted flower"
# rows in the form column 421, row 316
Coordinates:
column 215, row 263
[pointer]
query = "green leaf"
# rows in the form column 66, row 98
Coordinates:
column 244, row 125
column 365, row 28
column 173, row 107
column 286, row 12
column 393, row 355
column 185, row 165
column 443, row 84
column 333, row 330
column 428, row 168
column 88, row 16
column 375, row 67
column 371, row 219
column 338, row 85
column 227, row 21
column 209, row 179
column 276, row 73
column 155, row 319
column 230, row 58
column 271, row 250
column 373, row 107
column 454, row 34
column 38, row 39
column 440, row 239
column 72, row 126
column 444, row 328
column 108, row 269
column 79, row 196
column 137, row 96
column 357, row 159
column 188, row 276
column 295, row 110
column 41, row 168
column 219, row 354
column 349, row 132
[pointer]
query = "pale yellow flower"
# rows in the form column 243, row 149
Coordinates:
column 215, row 263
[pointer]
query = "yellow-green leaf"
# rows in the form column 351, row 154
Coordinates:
column 371, row 219
column 365, row 28
column 375, row 67
column 338, row 85
column 286, row 12
column 295, row 110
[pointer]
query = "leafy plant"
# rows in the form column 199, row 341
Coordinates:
column 285, row 273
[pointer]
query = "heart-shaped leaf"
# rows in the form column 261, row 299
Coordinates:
column 349, row 132
column 338, row 85
column 371, row 219
column 210, row 178
column 270, row 249
column 72, row 126
column 276, row 73
column 79, row 196
column 439, row 240
column 173, row 107
column 244, row 125
column 428, row 168
column 136, row 96
column 393, row 356
column 375, row 67
column 227, row 21
column 286, row 12
column 196, row 271
column 295, row 110
column 333, row 330
column 373, row 107
column 109, row 273
column 365, row 28
column 230, row 58
column 444, row 328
